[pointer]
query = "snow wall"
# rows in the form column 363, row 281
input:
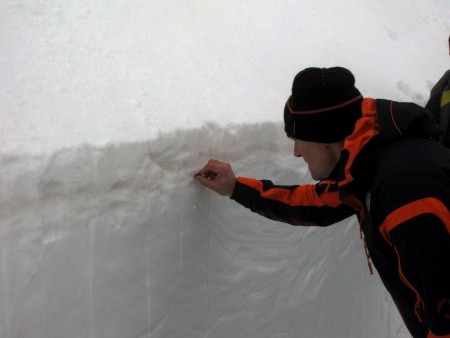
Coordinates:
column 103, row 231
column 120, row 242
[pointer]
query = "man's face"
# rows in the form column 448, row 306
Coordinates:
column 320, row 157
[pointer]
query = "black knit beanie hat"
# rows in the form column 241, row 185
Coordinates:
column 324, row 105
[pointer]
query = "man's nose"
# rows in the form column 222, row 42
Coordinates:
column 297, row 152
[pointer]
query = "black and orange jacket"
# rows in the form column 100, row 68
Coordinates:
column 390, row 172
column 344, row 193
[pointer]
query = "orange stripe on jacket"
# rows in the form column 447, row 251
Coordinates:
column 365, row 129
column 304, row 195
column 429, row 205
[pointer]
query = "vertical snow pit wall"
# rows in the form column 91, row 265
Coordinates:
column 120, row 241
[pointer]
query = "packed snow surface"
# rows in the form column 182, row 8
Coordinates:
column 107, row 110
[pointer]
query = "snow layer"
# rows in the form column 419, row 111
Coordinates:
column 105, row 115
column 119, row 241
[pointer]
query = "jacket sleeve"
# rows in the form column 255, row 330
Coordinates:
column 306, row 205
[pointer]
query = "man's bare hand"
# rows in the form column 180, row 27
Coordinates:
column 217, row 176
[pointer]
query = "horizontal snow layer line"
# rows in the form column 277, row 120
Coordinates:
column 168, row 160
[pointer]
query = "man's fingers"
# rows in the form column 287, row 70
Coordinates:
column 212, row 166
column 208, row 175
column 217, row 176
column 207, row 182
column 204, row 180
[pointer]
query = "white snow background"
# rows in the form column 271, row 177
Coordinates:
column 107, row 108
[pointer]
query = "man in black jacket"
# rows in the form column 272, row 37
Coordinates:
column 376, row 159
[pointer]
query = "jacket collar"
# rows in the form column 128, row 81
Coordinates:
column 383, row 122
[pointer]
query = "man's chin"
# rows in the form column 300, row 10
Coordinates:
column 318, row 178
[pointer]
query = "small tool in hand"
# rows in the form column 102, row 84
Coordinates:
column 209, row 175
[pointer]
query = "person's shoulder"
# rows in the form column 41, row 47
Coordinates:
column 442, row 82
column 408, row 169
column 447, row 74
column 413, row 156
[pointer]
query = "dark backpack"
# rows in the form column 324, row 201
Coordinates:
column 439, row 105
